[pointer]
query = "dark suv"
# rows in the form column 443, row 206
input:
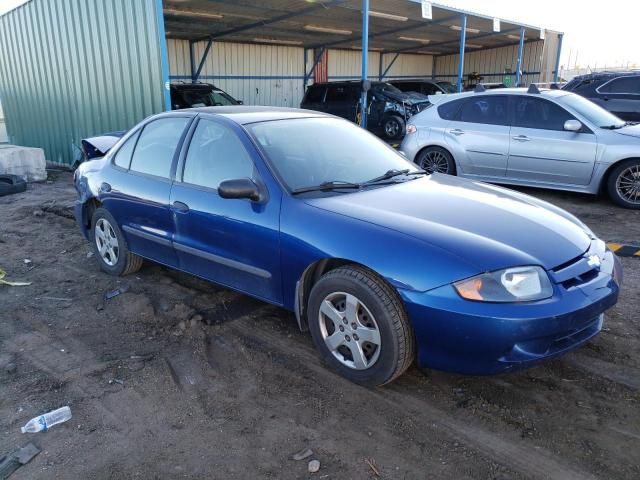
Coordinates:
column 388, row 108
column 618, row 92
column 189, row 95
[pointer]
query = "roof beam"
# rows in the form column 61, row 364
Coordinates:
column 383, row 33
column 276, row 19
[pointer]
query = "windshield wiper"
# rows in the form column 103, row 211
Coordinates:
column 394, row 173
column 327, row 186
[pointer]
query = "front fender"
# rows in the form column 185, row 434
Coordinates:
column 310, row 234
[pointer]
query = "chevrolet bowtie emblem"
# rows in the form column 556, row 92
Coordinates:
column 594, row 261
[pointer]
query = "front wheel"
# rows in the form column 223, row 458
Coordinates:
column 436, row 160
column 359, row 326
column 624, row 184
column 393, row 127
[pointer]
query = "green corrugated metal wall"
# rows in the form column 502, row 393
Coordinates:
column 70, row 69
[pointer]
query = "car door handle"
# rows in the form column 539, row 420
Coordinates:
column 456, row 131
column 180, row 207
column 105, row 187
column 521, row 138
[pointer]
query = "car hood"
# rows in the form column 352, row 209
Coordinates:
column 489, row 227
column 629, row 131
column 409, row 98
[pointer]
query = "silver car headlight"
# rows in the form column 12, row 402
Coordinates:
column 518, row 284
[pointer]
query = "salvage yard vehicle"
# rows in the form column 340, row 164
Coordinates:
column 618, row 92
column 388, row 108
column 378, row 259
column 425, row 87
column 530, row 137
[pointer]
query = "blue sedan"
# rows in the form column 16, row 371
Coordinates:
column 380, row 261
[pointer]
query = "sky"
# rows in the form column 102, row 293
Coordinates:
column 598, row 34
column 595, row 34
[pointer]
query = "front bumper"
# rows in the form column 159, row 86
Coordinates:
column 479, row 338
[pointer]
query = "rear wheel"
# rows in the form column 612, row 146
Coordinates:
column 393, row 127
column 359, row 326
column 623, row 184
column 436, row 160
column 110, row 245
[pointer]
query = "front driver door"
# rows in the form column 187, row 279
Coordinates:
column 542, row 150
column 229, row 241
column 480, row 131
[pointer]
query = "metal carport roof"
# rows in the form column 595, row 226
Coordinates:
column 395, row 25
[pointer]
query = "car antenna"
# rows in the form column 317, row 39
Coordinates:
column 479, row 88
column 533, row 88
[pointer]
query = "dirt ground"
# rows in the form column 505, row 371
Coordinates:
column 178, row 378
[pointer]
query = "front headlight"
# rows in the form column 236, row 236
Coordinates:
column 519, row 284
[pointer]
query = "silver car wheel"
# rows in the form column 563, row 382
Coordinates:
column 628, row 184
column 435, row 162
column 349, row 330
column 107, row 242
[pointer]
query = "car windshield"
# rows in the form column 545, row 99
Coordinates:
column 448, row 87
column 202, row 98
column 307, row 152
column 386, row 87
column 592, row 112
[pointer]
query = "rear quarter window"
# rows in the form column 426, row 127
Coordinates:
column 450, row 110
column 315, row 94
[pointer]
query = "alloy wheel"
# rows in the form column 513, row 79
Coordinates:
column 392, row 128
column 349, row 330
column 628, row 184
column 107, row 242
column 435, row 162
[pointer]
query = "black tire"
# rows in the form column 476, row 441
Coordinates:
column 397, row 344
column 127, row 262
column 393, row 127
column 10, row 184
column 627, row 170
column 431, row 157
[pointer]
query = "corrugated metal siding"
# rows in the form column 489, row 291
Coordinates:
column 273, row 74
column 492, row 63
column 255, row 74
column 78, row 68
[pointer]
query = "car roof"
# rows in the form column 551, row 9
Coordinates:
column 607, row 74
column 245, row 114
column 555, row 93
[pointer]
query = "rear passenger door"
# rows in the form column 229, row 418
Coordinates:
column 138, row 187
column 621, row 96
column 479, row 133
column 342, row 101
column 542, row 150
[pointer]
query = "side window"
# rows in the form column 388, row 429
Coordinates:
column 449, row 110
column 539, row 113
column 429, row 89
column 157, row 145
column 492, row 110
column 123, row 155
column 341, row 93
column 315, row 94
column 622, row 85
column 216, row 154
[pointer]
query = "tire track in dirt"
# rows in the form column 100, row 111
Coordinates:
column 510, row 452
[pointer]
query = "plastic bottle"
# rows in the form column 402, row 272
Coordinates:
column 48, row 420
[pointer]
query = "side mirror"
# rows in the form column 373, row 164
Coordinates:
column 239, row 188
column 572, row 125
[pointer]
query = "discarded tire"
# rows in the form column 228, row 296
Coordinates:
column 11, row 184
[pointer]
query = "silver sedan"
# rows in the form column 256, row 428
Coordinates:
column 536, row 138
